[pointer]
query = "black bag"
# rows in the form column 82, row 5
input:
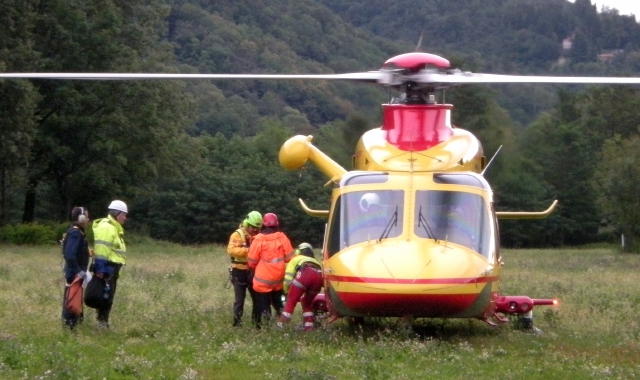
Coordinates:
column 94, row 294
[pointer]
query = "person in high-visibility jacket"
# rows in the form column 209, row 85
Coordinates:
column 109, row 251
column 269, row 252
column 241, row 275
column 302, row 283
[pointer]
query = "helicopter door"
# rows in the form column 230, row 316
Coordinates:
column 458, row 217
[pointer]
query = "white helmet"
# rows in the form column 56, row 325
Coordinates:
column 367, row 200
column 119, row 206
column 306, row 249
column 305, row 246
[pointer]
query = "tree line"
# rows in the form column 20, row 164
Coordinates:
column 192, row 158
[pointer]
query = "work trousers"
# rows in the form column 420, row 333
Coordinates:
column 264, row 301
column 242, row 280
column 104, row 311
column 304, row 289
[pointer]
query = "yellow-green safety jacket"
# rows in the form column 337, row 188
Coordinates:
column 294, row 265
column 108, row 240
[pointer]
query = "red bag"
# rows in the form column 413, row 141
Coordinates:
column 73, row 297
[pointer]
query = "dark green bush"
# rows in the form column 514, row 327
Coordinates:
column 30, row 234
column 59, row 229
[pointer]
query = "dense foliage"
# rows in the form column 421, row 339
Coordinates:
column 192, row 158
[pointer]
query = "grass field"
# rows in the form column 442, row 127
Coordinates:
column 172, row 317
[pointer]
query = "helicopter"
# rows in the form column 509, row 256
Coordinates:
column 411, row 231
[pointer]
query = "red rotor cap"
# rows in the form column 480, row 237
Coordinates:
column 415, row 62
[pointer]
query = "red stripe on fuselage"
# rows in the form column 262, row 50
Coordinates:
column 416, row 281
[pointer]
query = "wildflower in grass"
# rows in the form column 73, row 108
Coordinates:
column 189, row 374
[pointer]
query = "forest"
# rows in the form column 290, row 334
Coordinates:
column 192, row 158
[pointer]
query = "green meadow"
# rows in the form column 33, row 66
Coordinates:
column 172, row 320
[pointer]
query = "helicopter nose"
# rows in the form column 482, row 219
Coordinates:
column 408, row 278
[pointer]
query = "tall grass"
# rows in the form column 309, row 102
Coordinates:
column 172, row 320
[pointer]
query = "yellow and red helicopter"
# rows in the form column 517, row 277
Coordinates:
column 412, row 231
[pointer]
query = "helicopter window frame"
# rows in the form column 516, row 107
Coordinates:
column 363, row 178
column 498, row 247
column 464, row 179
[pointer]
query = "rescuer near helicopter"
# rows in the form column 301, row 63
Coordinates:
column 302, row 283
column 269, row 252
column 76, row 253
column 110, row 252
column 241, row 275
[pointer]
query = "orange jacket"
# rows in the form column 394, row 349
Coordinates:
column 238, row 248
column 268, row 255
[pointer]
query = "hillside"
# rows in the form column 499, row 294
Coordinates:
column 504, row 36
column 276, row 37
column 192, row 158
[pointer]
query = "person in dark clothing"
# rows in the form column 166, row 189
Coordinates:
column 75, row 250
column 241, row 275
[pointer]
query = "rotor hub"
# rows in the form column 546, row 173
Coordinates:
column 414, row 62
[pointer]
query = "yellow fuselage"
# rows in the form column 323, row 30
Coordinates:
column 408, row 274
column 420, row 169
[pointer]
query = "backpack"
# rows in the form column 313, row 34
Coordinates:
column 96, row 295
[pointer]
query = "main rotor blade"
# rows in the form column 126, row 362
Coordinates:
column 462, row 77
column 372, row 76
column 385, row 77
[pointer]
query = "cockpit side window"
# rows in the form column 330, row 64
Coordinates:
column 333, row 242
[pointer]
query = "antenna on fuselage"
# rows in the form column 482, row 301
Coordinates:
column 491, row 160
column 420, row 41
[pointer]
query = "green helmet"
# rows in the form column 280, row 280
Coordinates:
column 253, row 219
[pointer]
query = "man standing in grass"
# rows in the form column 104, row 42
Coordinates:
column 269, row 252
column 109, row 254
column 75, row 250
column 241, row 275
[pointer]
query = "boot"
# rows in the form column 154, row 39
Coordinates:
column 284, row 319
column 309, row 319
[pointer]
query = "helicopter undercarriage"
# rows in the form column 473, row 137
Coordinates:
column 520, row 307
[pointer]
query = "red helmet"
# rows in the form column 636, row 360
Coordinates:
column 270, row 220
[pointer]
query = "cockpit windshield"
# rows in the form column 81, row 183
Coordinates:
column 454, row 216
column 366, row 216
